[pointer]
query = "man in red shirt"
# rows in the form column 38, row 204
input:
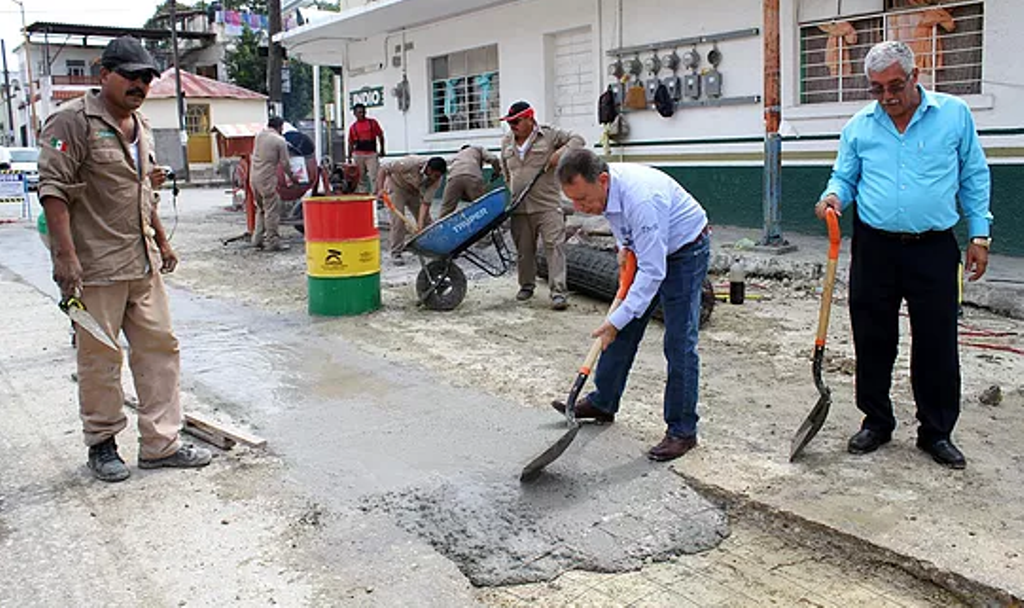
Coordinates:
column 363, row 138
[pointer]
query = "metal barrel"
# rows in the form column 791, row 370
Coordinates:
column 342, row 255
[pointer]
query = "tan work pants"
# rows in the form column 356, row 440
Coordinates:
column 550, row 226
column 140, row 309
column 460, row 188
column 402, row 200
column 368, row 165
column 268, row 219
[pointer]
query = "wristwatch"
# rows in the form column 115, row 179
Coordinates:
column 982, row 241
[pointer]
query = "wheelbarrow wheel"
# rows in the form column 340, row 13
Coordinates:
column 450, row 282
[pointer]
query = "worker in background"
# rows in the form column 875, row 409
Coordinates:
column 365, row 146
column 269, row 156
column 411, row 183
column 465, row 181
column 528, row 149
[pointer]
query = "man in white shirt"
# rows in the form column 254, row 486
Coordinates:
column 651, row 215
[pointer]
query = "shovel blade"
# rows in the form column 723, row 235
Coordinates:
column 811, row 426
column 532, row 471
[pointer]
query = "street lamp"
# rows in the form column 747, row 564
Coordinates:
column 33, row 127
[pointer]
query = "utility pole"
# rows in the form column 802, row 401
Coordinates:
column 772, row 119
column 33, row 127
column 183, row 133
column 9, row 131
column 274, row 59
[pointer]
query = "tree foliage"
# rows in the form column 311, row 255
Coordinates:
column 246, row 64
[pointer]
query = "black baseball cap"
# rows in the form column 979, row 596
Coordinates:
column 128, row 54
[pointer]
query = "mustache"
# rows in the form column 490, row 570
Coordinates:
column 136, row 91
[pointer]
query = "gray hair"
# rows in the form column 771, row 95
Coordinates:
column 580, row 161
column 885, row 54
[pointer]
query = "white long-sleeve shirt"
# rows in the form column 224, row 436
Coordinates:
column 653, row 216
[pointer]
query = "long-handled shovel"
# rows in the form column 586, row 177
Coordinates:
column 816, row 418
column 531, row 471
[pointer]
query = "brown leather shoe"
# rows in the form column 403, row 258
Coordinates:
column 672, row 447
column 585, row 410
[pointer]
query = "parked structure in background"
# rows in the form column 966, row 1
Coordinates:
column 463, row 61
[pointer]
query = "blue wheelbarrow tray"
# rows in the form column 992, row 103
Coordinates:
column 454, row 233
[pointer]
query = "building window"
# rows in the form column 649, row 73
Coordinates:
column 946, row 37
column 76, row 67
column 464, row 90
column 197, row 119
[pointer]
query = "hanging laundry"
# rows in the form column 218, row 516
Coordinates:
column 839, row 63
column 451, row 97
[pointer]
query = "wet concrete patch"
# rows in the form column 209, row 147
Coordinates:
column 499, row 532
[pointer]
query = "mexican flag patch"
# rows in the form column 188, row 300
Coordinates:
column 59, row 144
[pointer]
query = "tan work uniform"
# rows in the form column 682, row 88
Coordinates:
column 540, row 213
column 270, row 151
column 465, row 181
column 403, row 180
column 86, row 162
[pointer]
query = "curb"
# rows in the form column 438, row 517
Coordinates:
column 853, row 548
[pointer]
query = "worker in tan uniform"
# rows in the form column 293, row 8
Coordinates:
column 527, row 149
column 411, row 183
column 269, row 156
column 465, row 180
column 97, row 175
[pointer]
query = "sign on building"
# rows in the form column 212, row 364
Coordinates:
column 371, row 97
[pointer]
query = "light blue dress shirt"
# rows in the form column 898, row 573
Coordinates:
column 652, row 215
column 910, row 181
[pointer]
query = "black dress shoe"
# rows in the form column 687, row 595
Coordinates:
column 586, row 410
column 866, row 441
column 944, row 452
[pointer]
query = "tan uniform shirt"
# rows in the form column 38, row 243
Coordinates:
column 407, row 174
column 546, row 193
column 470, row 162
column 269, row 151
column 84, row 160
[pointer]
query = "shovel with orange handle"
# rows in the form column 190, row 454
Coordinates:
column 816, row 418
column 533, row 470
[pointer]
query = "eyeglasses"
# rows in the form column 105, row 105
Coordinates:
column 145, row 76
column 893, row 88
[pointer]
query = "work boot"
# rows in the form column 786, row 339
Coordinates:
column 585, row 410
column 188, row 456
column 524, row 294
column 672, row 447
column 277, row 246
column 105, row 463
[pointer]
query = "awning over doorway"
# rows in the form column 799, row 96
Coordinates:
column 323, row 42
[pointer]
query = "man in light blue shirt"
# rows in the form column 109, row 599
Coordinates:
column 907, row 159
column 654, row 217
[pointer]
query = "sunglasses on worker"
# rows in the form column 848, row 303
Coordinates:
column 146, row 76
column 893, row 88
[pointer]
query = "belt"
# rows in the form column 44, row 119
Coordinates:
column 703, row 233
column 911, row 237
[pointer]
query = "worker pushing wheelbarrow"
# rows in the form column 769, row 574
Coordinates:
column 441, row 284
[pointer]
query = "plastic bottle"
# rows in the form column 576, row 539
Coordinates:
column 737, row 285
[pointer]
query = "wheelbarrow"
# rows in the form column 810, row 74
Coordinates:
column 441, row 284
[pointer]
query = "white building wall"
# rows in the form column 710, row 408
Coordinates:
column 522, row 30
column 161, row 113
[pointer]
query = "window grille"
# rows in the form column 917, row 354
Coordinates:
column 75, row 67
column 197, row 119
column 464, row 90
column 946, row 38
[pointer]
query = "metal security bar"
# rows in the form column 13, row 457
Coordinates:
column 946, row 39
column 464, row 90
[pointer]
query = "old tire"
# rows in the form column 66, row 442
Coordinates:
column 595, row 273
column 449, row 293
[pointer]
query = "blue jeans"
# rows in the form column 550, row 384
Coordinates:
column 680, row 296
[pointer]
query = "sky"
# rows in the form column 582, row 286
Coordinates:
column 125, row 13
